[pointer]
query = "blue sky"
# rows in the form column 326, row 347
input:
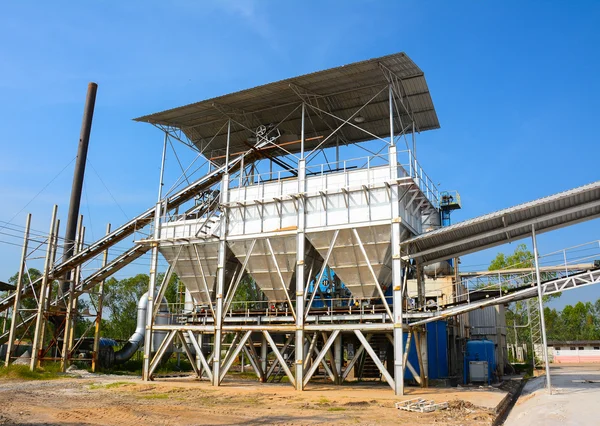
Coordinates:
column 514, row 84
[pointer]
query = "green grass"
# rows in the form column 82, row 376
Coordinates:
column 323, row 400
column 22, row 372
column 110, row 385
column 336, row 409
column 155, row 396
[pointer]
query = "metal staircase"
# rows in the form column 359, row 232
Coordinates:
column 201, row 186
column 367, row 369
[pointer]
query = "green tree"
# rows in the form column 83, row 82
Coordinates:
column 520, row 258
column 517, row 315
column 121, row 298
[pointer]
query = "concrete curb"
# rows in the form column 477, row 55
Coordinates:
column 503, row 409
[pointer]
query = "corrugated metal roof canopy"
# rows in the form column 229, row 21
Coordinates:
column 553, row 212
column 339, row 91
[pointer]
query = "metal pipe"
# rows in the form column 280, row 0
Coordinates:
column 78, row 174
column 541, row 306
column 137, row 338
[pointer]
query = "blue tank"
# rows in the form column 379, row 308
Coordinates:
column 480, row 350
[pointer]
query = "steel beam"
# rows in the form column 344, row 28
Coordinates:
column 375, row 358
column 200, row 355
column 320, row 357
column 356, row 357
column 190, row 357
column 377, row 285
column 160, row 353
column 323, row 268
column 280, row 358
column 229, row 361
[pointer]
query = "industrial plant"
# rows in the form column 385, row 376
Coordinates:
column 312, row 194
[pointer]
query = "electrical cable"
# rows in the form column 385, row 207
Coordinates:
column 42, row 190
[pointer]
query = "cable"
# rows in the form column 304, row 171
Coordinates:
column 42, row 190
column 108, row 190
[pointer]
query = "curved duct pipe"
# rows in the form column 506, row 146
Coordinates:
column 137, row 338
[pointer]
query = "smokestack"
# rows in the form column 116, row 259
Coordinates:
column 84, row 140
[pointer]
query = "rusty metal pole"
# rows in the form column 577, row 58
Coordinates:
column 39, row 323
column 17, row 304
column 99, row 312
column 71, row 305
column 78, row 174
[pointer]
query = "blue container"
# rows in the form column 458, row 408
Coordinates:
column 437, row 349
column 480, row 350
column 437, row 352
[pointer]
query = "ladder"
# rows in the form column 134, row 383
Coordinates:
column 535, row 328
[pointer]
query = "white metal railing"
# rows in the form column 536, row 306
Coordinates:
column 335, row 175
column 413, row 169
column 557, row 264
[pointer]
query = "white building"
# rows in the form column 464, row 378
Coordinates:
column 574, row 352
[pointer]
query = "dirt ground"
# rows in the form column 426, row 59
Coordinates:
column 126, row 400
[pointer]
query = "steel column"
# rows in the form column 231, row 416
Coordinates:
column 146, row 372
column 396, row 263
column 300, row 249
column 536, row 255
column 263, row 358
column 339, row 355
column 221, row 266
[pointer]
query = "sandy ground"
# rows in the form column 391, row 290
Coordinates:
column 574, row 400
column 124, row 400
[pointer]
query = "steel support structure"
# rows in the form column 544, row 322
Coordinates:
column 300, row 250
column 536, row 256
column 218, row 334
column 396, row 263
column 146, row 373
column 302, row 328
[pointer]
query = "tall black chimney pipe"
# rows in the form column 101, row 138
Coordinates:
column 84, row 140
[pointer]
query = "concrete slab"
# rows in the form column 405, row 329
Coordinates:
column 574, row 398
